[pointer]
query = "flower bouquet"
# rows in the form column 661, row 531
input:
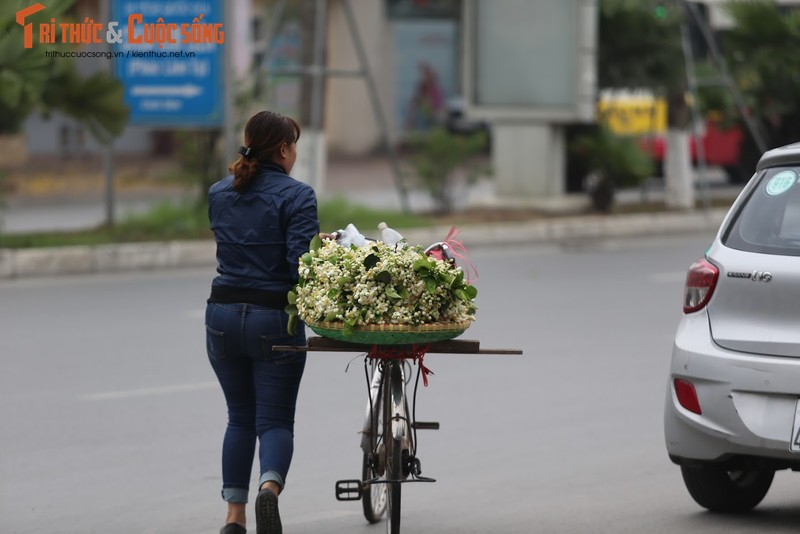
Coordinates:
column 379, row 293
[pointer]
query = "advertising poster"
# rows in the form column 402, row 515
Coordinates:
column 426, row 76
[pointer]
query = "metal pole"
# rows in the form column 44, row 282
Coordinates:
column 317, row 85
column 108, row 147
column 274, row 16
column 320, row 16
column 376, row 105
column 723, row 67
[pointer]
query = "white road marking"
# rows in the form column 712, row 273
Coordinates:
column 149, row 392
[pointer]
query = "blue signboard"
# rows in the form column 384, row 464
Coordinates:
column 168, row 57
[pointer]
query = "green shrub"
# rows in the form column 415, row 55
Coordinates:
column 613, row 162
column 337, row 213
column 439, row 154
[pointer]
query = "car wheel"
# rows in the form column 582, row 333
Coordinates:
column 727, row 490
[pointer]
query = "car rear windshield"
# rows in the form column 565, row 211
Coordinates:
column 769, row 220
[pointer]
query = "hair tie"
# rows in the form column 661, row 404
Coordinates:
column 245, row 151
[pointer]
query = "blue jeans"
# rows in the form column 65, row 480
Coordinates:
column 260, row 388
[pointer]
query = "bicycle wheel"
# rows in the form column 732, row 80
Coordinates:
column 374, row 498
column 393, row 405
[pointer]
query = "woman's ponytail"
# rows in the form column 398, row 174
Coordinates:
column 243, row 170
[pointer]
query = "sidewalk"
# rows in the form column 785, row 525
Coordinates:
column 364, row 181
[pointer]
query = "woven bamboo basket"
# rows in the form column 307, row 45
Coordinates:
column 391, row 334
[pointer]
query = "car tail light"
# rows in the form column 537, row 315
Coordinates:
column 700, row 283
column 687, row 396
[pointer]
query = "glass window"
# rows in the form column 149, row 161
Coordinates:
column 769, row 221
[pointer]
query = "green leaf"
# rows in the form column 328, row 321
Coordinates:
column 333, row 292
column 445, row 279
column 458, row 281
column 430, row 284
column 384, row 276
column 331, row 317
column 306, row 258
column 291, row 296
column 423, row 263
column 471, row 291
column 461, row 294
column 344, row 280
column 316, row 243
column 291, row 326
column 291, row 309
column 371, row 261
column 390, row 292
column 403, row 292
column 349, row 327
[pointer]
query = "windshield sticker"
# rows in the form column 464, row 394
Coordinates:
column 781, row 182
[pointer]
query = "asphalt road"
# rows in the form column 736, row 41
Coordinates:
column 112, row 421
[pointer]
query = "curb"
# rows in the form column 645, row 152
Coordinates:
column 25, row 263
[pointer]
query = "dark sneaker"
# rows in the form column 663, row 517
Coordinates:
column 268, row 520
column 233, row 528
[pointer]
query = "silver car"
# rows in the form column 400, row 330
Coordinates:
column 732, row 411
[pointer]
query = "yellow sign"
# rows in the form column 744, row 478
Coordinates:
column 632, row 113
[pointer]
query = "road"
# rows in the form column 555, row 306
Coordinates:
column 112, row 422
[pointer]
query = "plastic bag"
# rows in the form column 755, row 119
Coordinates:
column 350, row 236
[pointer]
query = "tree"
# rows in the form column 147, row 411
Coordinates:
column 640, row 45
column 32, row 82
column 762, row 54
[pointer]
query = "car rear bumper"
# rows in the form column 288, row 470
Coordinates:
column 748, row 402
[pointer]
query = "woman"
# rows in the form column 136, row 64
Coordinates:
column 263, row 221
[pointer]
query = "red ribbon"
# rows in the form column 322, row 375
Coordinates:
column 460, row 252
column 415, row 352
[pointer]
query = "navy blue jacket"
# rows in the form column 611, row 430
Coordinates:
column 262, row 232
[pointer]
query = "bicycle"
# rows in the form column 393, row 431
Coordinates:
column 389, row 433
column 389, row 440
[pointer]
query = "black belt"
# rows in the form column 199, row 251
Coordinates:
column 259, row 297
